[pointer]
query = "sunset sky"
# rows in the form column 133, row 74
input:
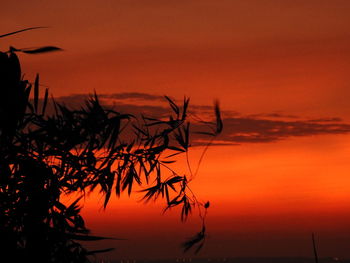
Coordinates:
column 281, row 71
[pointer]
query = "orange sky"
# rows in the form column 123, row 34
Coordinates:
column 273, row 65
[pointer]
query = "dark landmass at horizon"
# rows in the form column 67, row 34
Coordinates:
column 232, row 260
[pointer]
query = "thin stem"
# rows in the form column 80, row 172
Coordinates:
column 189, row 165
column 197, row 202
column 314, row 248
column 171, row 170
column 202, row 155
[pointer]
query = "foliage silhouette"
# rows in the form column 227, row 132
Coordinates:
column 46, row 155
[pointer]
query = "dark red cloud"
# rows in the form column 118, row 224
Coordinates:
column 238, row 129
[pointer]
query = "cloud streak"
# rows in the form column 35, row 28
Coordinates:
column 132, row 95
column 238, row 129
column 257, row 130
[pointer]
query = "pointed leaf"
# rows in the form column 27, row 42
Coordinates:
column 36, row 93
column 45, row 101
column 41, row 50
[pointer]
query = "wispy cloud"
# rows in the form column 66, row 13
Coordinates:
column 132, row 95
column 248, row 130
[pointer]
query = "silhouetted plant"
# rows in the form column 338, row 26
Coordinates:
column 45, row 155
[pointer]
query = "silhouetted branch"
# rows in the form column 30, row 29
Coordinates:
column 22, row 30
column 46, row 153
